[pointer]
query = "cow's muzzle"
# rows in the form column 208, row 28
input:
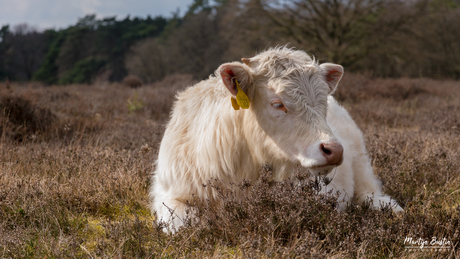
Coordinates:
column 333, row 152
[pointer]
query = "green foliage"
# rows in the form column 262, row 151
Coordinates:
column 444, row 4
column 134, row 103
column 79, row 52
column 3, row 32
column 83, row 71
column 3, row 46
column 199, row 6
column 48, row 71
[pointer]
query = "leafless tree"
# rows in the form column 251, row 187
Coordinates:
column 342, row 31
column 146, row 60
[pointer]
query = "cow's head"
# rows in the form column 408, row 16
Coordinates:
column 288, row 94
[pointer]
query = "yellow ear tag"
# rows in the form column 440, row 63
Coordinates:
column 235, row 104
column 241, row 98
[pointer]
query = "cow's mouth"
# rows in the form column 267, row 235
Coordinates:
column 321, row 170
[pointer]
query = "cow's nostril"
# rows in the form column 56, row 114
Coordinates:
column 325, row 150
column 333, row 152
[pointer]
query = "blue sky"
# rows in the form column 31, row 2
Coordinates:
column 45, row 14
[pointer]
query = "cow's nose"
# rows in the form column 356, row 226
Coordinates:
column 333, row 152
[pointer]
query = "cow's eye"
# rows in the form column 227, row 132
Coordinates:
column 279, row 106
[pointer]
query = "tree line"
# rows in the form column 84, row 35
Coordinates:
column 382, row 38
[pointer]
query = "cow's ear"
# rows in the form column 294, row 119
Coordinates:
column 332, row 73
column 235, row 70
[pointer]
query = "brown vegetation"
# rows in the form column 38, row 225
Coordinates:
column 132, row 81
column 75, row 184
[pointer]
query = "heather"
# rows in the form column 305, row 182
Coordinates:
column 76, row 160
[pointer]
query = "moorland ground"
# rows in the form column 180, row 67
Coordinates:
column 75, row 164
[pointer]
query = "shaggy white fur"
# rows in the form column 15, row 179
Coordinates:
column 290, row 116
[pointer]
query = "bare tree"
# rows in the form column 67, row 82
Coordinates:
column 196, row 46
column 341, row 31
column 247, row 29
column 146, row 60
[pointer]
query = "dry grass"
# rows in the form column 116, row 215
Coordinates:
column 75, row 164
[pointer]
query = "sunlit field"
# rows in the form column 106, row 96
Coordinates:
column 76, row 161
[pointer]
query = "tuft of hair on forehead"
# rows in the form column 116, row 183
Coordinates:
column 280, row 61
column 300, row 70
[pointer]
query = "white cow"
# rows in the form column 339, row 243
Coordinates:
column 292, row 121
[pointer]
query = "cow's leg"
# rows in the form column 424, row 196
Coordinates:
column 172, row 212
column 368, row 187
column 169, row 208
